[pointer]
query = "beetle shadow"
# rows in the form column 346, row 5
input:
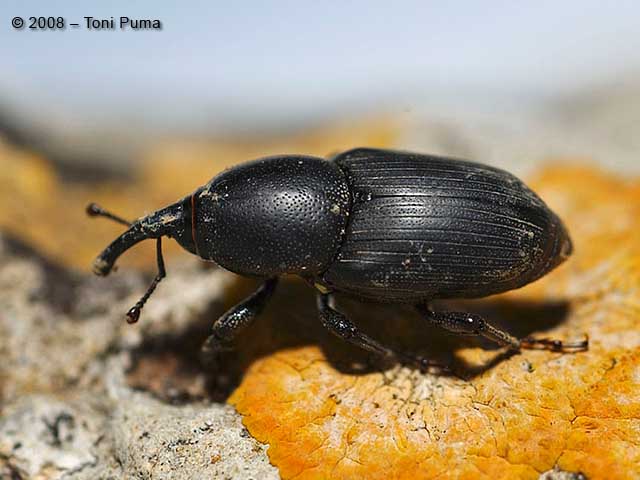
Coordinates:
column 171, row 367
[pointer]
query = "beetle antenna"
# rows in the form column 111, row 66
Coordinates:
column 133, row 315
column 95, row 210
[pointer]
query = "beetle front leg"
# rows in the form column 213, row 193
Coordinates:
column 338, row 324
column 236, row 319
column 473, row 324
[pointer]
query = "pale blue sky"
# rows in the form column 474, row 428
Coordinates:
column 238, row 61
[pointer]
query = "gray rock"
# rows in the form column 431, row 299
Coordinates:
column 153, row 440
column 68, row 407
column 48, row 436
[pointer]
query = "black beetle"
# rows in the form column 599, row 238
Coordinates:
column 380, row 225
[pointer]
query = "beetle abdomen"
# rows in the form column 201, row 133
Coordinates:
column 424, row 227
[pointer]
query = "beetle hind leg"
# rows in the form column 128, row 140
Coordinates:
column 469, row 324
column 472, row 324
column 236, row 319
column 338, row 324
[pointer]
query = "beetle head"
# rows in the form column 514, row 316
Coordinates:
column 172, row 221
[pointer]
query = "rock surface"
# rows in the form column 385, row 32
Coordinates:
column 68, row 408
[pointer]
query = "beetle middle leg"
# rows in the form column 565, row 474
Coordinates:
column 473, row 324
column 236, row 319
column 338, row 324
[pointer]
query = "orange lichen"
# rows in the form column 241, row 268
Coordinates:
column 502, row 417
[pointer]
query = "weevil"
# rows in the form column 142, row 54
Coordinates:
column 381, row 225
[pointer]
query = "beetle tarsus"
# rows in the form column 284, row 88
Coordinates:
column 555, row 345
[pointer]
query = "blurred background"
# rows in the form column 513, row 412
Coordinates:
column 137, row 118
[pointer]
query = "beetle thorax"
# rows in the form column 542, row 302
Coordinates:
column 274, row 216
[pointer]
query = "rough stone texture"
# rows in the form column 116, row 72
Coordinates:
column 68, row 410
column 43, row 436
